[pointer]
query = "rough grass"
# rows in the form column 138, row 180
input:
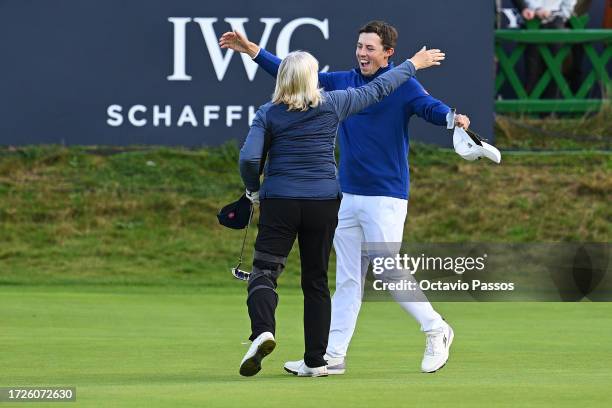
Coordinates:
column 589, row 131
column 147, row 216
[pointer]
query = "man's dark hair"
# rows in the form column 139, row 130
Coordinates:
column 386, row 32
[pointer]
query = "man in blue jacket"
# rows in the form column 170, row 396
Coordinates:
column 374, row 179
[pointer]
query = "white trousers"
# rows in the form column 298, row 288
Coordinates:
column 365, row 219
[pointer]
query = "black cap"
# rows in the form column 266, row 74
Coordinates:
column 236, row 215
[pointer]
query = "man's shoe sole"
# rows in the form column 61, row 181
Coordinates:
column 252, row 366
column 450, row 343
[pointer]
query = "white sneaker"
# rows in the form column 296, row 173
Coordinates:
column 300, row 369
column 262, row 346
column 437, row 347
column 335, row 365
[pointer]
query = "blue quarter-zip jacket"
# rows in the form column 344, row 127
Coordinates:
column 374, row 143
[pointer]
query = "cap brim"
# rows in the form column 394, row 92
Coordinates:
column 491, row 152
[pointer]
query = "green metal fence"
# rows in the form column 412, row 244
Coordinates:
column 542, row 38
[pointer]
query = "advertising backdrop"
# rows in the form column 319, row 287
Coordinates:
column 151, row 72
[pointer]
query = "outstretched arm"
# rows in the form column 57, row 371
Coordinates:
column 237, row 41
column 269, row 62
column 435, row 111
column 352, row 100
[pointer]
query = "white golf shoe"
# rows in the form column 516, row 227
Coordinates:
column 262, row 346
column 437, row 347
column 300, row 369
column 335, row 366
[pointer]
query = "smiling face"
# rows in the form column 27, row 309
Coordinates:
column 371, row 54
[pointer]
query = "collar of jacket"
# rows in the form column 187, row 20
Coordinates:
column 380, row 71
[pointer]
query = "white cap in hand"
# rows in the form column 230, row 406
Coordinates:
column 470, row 147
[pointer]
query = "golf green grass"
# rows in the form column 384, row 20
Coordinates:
column 135, row 346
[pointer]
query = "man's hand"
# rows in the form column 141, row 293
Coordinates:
column 542, row 13
column 253, row 197
column 528, row 14
column 238, row 42
column 427, row 58
column 462, row 121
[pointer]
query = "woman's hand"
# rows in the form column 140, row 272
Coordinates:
column 427, row 58
column 253, row 197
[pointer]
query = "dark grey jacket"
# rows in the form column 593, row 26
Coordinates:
column 301, row 162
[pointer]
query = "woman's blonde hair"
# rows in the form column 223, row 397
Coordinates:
column 297, row 82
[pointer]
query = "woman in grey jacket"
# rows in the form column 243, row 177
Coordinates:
column 300, row 194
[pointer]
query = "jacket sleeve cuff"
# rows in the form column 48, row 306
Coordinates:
column 450, row 119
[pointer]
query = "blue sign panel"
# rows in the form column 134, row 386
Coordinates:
column 151, row 72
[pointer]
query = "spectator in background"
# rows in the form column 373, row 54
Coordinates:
column 513, row 22
column 572, row 68
column 518, row 5
column 554, row 15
